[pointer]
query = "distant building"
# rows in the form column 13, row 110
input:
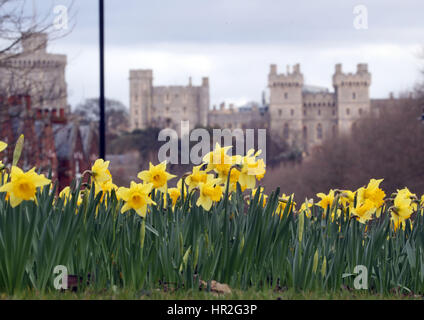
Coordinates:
column 36, row 73
column 166, row 106
column 33, row 102
column 301, row 115
column 305, row 115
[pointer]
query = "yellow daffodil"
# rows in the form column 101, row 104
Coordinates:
column 364, row 212
column 373, row 193
column 23, row 185
column 283, row 200
column 209, row 192
column 218, row 160
column 174, row 194
column 251, row 168
column 408, row 194
column 157, row 175
column 234, row 179
column 67, row 195
column 402, row 208
column 100, row 171
column 136, row 197
column 3, row 146
column 197, row 176
column 105, row 187
column 306, row 207
column 326, row 199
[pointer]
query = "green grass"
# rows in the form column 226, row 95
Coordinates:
column 203, row 295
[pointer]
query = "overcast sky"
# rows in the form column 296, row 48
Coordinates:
column 233, row 42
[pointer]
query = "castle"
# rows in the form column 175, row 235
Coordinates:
column 305, row 116
column 301, row 115
column 166, row 106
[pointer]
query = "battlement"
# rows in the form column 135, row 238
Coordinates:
column 360, row 78
column 141, row 74
column 292, row 78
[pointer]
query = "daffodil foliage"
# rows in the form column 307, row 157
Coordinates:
column 216, row 224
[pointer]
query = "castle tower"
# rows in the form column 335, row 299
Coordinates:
column 285, row 105
column 352, row 95
column 141, row 96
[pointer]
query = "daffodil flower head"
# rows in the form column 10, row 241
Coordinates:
column 326, row 199
column 100, row 171
column 283, row 201
column 364, row 212
column 174, row 194
column 218, row 159
column 136, row 197
column 23, row 185
column 209, row 192
column 197, row 176
column 251, row 169
column 157, row 176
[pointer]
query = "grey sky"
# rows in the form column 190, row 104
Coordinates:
column 234, row 42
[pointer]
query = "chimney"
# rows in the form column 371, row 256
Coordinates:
column 273, row 69
column 339, row 68
column 189, row 81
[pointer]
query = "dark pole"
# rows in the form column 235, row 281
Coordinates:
column 102, row 147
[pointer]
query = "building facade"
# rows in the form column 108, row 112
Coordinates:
column 166, row 106
column 302, row 115
column 36, row 73
column 305, row 116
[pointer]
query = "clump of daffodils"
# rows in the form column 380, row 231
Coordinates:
column 217, row 178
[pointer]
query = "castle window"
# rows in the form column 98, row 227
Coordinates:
column 319, row 131
column 347, row 111
column 319, row 112
column 354, row 96
column 292, row 112
column 286, row 95
column 334, row 112
column 286, row 131
column 305, row 133
column 360, row 111
column 280, row 112
column 304, row 112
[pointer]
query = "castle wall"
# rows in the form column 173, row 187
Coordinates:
column 166, row 106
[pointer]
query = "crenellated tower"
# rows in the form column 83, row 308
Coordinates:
column 286, row 103
column 141, row 96
column 351, row 95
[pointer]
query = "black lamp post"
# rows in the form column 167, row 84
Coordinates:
column 102, row 145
